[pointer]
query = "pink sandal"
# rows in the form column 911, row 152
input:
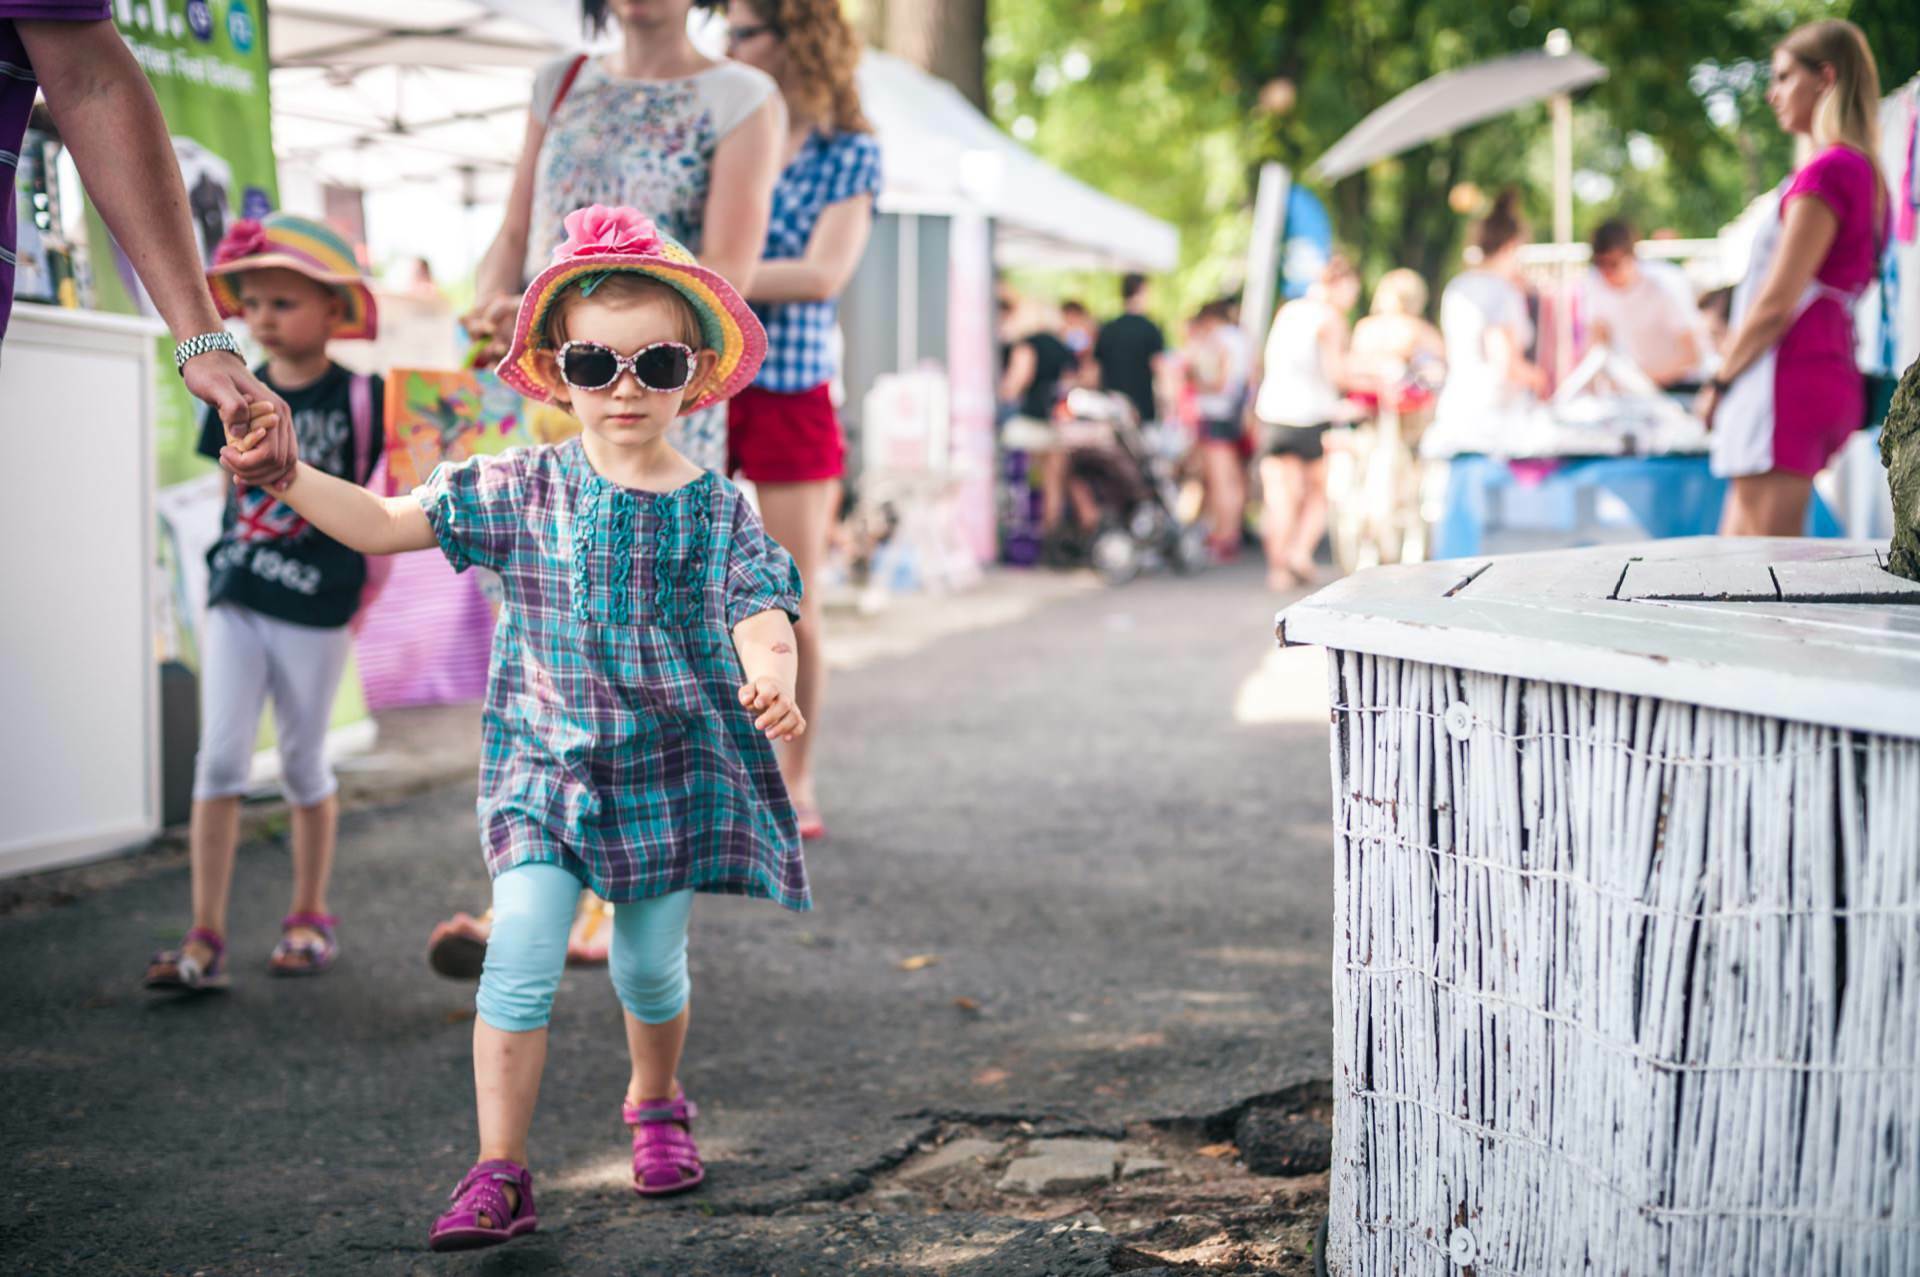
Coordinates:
column 318, row 956
column 186, row 973
column 479, row 1193
column 665, row 1160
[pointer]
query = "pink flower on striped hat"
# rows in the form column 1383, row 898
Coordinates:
column 600, row 230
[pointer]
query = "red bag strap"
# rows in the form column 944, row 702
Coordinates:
column 566, row 83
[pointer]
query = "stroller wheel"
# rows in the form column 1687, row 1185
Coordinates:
column 1115, row 556
column 1190, row 553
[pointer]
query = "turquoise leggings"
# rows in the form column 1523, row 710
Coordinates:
column 533, row 909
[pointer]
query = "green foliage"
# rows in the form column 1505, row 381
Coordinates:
column 1160, row 102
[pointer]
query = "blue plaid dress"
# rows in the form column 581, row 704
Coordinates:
column 614, row 741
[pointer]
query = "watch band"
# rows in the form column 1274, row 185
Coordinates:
column 195, row 346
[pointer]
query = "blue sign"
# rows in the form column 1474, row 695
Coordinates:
column 200, row 20
column 1306, row 244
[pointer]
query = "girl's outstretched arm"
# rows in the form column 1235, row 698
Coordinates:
column 356, row 517
column 766, row 646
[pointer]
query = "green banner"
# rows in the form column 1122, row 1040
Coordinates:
column 207, row 62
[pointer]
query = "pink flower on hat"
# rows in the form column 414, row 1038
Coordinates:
column 599, row 230
column 245, row 238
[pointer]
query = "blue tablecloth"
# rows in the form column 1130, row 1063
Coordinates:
column 1673, row 496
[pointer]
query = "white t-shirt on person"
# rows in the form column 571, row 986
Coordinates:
column 1295, row 389
column 1475, row 304
column 1647, row 320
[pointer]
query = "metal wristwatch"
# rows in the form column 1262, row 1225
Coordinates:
column 200, row 345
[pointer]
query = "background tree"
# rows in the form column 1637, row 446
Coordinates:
column 946, row 37
column 1173, row 104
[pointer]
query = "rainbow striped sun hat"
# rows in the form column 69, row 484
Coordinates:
column 601, row 239
column 312, row 248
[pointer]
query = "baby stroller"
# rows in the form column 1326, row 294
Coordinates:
column 1127, row 473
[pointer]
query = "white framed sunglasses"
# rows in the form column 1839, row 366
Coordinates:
column 665, row 366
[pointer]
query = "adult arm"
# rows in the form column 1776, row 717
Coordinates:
column 1505, row 353
column 108, row 118
column 746, row 165
column 497, row 282
column 355, row 517
column 1021, row 365
column 1334, row 340
column 833, row 254
column 1807, row 232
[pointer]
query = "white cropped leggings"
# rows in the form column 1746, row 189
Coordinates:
column 244, row 658
column 533, row 910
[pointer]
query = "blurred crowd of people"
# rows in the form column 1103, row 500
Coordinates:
column 1257, row 414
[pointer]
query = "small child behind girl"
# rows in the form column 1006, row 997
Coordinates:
column 643, row 663
column 280, row 592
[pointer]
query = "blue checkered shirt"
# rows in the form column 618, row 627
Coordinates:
column 613, row 741
column 829, row 168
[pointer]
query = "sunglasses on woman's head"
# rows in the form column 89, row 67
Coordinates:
column 740, row 35
column 665, row 366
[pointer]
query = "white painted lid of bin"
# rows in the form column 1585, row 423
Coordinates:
column 1809, row 630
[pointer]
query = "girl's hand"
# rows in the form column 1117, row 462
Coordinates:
column 772, row 701
column 244, row 453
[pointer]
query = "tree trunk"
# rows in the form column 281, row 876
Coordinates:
column 945, row 37
column 870, row 20
column 1900, row 453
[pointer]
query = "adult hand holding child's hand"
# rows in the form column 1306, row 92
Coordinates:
column 779, row 717
column 490, row 325
column 252, row 447
column 220, row 378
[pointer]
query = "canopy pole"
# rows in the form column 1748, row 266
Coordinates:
column 1559, row 45
column 1260, row 296
column 1563, row 229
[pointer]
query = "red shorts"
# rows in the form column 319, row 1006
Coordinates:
column 773, row 437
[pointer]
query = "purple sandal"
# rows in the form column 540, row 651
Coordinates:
column 665, row 1160
column 187, row 973
column 480, row 1193
column 319, row 956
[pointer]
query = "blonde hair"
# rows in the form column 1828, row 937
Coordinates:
column 1848, row 114
column 1400, row 292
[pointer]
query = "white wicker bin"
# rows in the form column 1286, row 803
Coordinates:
column 1627, row 957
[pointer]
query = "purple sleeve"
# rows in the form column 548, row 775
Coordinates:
column 1839, row 177
column 55, row 10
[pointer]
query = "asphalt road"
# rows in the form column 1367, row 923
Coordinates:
column 1120, row 874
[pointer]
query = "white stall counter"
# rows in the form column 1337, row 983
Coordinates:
column 79, row 712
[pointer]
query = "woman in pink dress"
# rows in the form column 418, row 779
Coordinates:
column 1788, row 392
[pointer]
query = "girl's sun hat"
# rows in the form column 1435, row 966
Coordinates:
column 601, row 240
column 311, row 248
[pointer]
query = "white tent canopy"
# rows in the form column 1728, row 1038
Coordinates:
column 1453, row 100
column 941, row 152
column 422, row 105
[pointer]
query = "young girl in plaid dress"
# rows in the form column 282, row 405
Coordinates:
column 643, row 665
